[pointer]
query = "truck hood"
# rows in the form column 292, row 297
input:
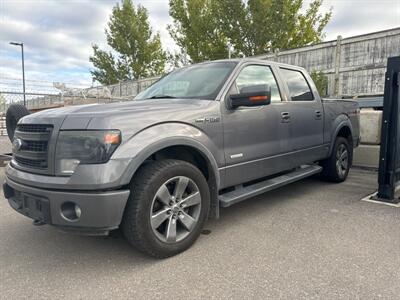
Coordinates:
column 129, row 117
column 96, row 110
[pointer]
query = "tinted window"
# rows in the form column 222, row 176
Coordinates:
column 298, row 87
column 254, row 75
column 202, row 81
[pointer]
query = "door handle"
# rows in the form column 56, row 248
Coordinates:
column 318, row 114
column 285, row 117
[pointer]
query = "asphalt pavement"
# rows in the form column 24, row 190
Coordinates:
column 309, row 240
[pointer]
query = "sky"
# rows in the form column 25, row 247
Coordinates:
column 57, row 34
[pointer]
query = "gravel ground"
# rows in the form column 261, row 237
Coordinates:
column 309, row 240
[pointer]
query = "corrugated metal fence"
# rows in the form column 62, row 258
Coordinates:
column 354, row 66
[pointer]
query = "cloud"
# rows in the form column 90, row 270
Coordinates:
column 357, row 17
column 58, row 34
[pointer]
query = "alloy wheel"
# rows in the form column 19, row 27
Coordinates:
column 175, row 209
column 342, row 160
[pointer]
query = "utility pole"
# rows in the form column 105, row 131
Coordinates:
column 23, row 67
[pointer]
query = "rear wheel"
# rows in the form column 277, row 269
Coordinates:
column 336, row 167
column 167, row 208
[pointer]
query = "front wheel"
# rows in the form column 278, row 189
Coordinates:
column 167, row 208
column 336, row 167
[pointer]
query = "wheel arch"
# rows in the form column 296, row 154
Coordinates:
column 184, row 149
column 343, row 129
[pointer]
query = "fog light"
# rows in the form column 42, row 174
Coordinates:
column 70, row 211
column 67, row 166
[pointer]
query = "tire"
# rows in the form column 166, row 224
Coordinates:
column 336, row 167
column 152, row 191
column 14, row 113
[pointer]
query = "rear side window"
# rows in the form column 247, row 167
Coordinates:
column 298, row 87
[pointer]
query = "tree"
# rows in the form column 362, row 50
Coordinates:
column 292, row 29
column 137, row 52
column 321, row 82
column 195, row 29
column 252, row 27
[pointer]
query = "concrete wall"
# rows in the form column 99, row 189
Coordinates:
column 370, row 126
column 367, row 154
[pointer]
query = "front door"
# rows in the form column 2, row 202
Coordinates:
column 254, row 137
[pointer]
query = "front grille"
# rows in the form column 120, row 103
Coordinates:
column 35, row 146
column 33, row 149
column 31, row 162
column 34, row 128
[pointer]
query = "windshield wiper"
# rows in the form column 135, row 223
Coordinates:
column 162, row 96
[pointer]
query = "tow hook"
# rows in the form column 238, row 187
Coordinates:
column 38, row 223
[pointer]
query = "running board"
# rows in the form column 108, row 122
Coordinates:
column 242, row 193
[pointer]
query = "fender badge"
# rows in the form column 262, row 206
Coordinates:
column 208, row 120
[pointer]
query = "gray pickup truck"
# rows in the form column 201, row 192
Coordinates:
column 203, row 137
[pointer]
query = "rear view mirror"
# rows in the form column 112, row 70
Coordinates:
column 254, row 95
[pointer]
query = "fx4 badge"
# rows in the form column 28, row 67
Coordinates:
column 208, row 120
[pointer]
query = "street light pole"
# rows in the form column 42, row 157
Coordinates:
column 23, row 72
column 23, row 67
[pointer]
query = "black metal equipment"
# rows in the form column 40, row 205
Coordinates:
column 389, row 159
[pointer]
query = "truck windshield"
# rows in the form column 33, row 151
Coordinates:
column 202, row 81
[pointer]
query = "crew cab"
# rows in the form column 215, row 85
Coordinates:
column 203, row 137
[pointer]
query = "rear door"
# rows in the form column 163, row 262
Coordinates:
column 306, row 112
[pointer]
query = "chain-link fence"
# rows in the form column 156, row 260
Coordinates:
column 131, row 88
column 33, row 100
column 36, row 101
column 43, row 94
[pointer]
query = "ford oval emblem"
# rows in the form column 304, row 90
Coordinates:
column 17, row 144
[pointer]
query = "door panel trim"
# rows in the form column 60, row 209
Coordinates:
column 268, row 166
column 276, row 156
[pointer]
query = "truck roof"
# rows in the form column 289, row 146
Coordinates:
column 255, row 60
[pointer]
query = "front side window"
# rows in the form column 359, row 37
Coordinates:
column 202, row 81
column 255, row 75
column 298, row 87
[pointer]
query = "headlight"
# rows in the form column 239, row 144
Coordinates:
column 84, row 147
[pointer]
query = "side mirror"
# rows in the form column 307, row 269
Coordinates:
column 254, row 95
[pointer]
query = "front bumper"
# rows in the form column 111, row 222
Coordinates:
column 98, row 211
column 86, row 177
